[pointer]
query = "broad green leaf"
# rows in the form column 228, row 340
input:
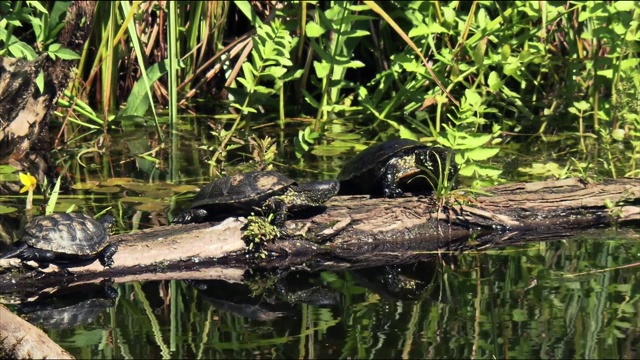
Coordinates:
column 7, row 209
column 582, row 105
column 67, row 54
column 494, row 81
column 40, row 81
column 51, row 203
column 314, row 30
column 138, row 101
column 479, row 154
column 246, row 8
column 472, row 98
column 20, row 49
column 322, row 68
column 405, row 133
column 7, row 169
column 472, row 142
column 37, row 5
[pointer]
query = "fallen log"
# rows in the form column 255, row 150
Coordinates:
column 356, row 232
column 21, row 340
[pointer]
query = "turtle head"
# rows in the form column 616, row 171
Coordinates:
column 107, row 221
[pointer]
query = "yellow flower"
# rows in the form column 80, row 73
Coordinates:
column 28, row 181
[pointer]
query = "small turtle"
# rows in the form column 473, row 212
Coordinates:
column 239, row 195
column 388, row 168
column 70, row 239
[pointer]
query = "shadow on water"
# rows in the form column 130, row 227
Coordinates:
column 560, row 299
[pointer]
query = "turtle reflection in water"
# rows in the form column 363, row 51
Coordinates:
column 235, row 299
column 392, row 167
column 65, row 239
column 70, row 308
column 239, row 195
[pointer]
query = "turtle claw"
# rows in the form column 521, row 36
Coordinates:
column 392, row 193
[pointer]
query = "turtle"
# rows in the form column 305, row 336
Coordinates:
column 389, row 168
column 239, row 195
column 65, row 239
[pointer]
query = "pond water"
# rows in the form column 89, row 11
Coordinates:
column 576, row 297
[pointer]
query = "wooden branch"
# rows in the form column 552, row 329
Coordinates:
column 355, row 231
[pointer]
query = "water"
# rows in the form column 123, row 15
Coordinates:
column 572, row 298
column 561, row 299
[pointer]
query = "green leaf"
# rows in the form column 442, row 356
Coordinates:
column 354, row 64
column 494, row 81
column 138, row 101
column 38, row 6
column 67, row 54
column 40, row 81
column 471, row 142
column 582, row 105
column 624, row 5
column 322, row 68
column 405, row 133
column 20, row 49
column 51, row 203
column 314, row 30
column 7, row 169
column 246, row 8
column 480, row 154
column 479, row 51
column 7, row 209
column 54, row 47
column 472, row 98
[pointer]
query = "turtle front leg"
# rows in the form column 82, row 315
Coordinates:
column 390, row 187
column 192, row 216
column 106, row 255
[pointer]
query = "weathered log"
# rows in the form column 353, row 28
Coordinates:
column 21, row 340
column 355, row 231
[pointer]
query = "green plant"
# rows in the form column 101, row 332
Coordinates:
column 46, row 26
column 269, row 63
column 259, row 231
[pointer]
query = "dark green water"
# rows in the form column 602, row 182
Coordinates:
column 572, row 298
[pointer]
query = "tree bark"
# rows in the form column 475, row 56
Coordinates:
column 356, row 232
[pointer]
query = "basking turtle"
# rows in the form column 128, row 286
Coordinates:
column 240, row 194
column 71, row 239
column 388, row 168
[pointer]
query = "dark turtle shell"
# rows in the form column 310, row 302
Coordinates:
column 73, row 234
column 243, row 190
column 377, row 156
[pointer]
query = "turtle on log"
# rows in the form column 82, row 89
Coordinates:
column 239, row 195
column 390, row 168
column 65, row 239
